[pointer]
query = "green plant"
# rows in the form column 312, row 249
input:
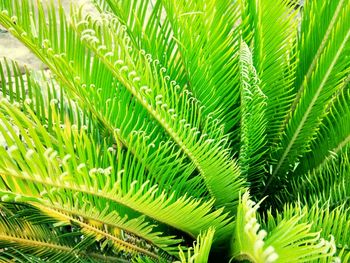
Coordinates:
column 165, row 122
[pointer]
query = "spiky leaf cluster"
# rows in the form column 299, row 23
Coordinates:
column 176, row 131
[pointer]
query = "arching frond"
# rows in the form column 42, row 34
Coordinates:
column 201, row 140
column 329, row 182
column 53, row 178
column 334, row 133
column 316, row 91
column 22, row 239
column 270, row 28
column 207, row 37
column 177, row 112
column 110, row 107
column 253, row 122
column 287, row 239
column 331, row 221
column 150, row 30
column 37, row 90
column 201, row 249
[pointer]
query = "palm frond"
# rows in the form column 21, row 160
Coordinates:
column 253, row 122
column 86, row 147
column 179, row 113
column 208, row 40
column 317, row 90
column 201, row 249
column 38, row 90
column 284, row 242
column 22, row 239
column 116, row 118
column 55, row 175
column 330, row 220
column 74, row 77
column 334, row 133
column 201, row 140
column 150, row 30
column 327, row 183
column 271, row 29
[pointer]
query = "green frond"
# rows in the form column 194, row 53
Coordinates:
column 314, row 36
column 201, row 249
column 17, row 255
column 154, row 116
column 287, row 239
column 38, row 91
column 60, row 141
column 200, row 139
column 150, row 30
column 22, row 89
column 53, row 179
column 49, row 197
column 330, row 220
column 248, row 240
column 111, row 231
column 331, row 139
column 253, row 122
column 270, row 28
column 329, row 182
column 56, row 51
column 21, row 239
column 12, row 82
column 121, row 231
column 133, row 236
column 208, row 39
column 115, row 117
column 316, row 91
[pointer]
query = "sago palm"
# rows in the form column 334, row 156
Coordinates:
column 175, row 130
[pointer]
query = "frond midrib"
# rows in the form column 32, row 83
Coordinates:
column 335, row 150
column 53, row 209
column 307, row 112
column 51, row 246
column 169, row 130
column 100, row 194
column 314, row 63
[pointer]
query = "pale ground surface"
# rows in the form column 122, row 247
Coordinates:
column 13, row 49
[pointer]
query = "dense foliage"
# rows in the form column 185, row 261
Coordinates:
column 176, row 130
